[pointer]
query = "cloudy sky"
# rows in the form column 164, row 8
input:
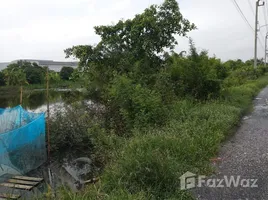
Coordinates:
column 42, row 29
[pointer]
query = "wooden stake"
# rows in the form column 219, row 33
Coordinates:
column 48, row 118
column 21, row 95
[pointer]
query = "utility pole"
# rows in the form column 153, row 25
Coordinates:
column 266, row 50
column 258, row 4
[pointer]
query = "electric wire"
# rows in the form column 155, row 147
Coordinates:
column 242, row 14
column 246, row 20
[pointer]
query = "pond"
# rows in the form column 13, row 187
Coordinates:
column 35, row 99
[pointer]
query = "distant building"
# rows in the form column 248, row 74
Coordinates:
column 3, row 65
column 53, row 65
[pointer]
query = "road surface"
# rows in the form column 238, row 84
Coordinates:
column 245, row 157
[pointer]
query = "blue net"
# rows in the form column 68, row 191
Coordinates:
column 22, row 140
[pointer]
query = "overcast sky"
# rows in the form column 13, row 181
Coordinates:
column 42, row 29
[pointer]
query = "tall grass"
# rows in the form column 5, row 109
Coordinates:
column 148, row 165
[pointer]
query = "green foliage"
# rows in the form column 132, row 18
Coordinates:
column 132, row 41
column 151, row 162
column 196, row 75
column 23, row 72
column 15, row 77
column 77, row 75
column 2, row 79
column 54, row 77
column 66, row 73
column 133, row 105
column 242, row 74
column 35, row 74
column 160, row 114
column 138, row 36
column 232, row 65
column 69, row 127
column 129, row 55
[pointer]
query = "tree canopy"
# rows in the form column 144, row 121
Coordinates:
column 134, row 47
column 131, row 55
column 2, row 79
column 31, row 72
column 66, row 73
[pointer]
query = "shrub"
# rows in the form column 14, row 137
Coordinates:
column 54, row 77
column 35, row 75
column 70, row 128
column 132, row 105
column 17, row 72
column 240, row 76
column 2, row 79
column 66, row 73
column 197, row 75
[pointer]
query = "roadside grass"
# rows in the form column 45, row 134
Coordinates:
column 148, row 165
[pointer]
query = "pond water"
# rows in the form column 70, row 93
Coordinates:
column 35, row 100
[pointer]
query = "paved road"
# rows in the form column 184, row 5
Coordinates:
column 244, row 155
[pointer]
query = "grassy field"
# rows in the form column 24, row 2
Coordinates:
column 148, row 164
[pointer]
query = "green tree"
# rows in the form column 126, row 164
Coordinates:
column 2, row 79
column 131, row 54
column 195, row 75
column 15, row 77
column 54, row 77
column 66, row 73
column 34, row 73
column 133, row 47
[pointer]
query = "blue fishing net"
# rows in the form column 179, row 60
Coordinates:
column 22, row 140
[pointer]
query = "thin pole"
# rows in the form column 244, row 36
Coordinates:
column 20, row 103
column 48, row 118
column 21, row 95
column 265, row 53
column 256, row 32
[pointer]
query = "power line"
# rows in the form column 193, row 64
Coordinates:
column 245, row 19
column 242, row 14
column 252, row 10
column 265, row 19
column 265, row 16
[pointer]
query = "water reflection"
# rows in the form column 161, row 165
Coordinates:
column 37, row 98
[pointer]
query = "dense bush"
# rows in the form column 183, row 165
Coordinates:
column 54, row 77
column 23, row 71
column 35, row 74
column 2, row 79
column 196, row 75
column 69, row 128
column 15, row 77
column 133, row 105
column 66, row 73
column 242, row 74
column 151, row 162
